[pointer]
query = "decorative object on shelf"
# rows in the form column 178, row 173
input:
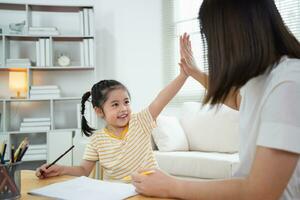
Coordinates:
column 17, row 28
column 18, row 83
column 63, row 60
column 18, row 62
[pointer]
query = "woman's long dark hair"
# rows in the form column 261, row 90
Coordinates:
column 99, row 95
column 244, row 39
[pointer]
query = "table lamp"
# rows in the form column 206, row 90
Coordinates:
column 18, row 83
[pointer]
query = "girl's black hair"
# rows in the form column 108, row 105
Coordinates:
column 244, row 39
column 99, row 93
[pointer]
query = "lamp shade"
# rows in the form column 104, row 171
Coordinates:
column 18, row 80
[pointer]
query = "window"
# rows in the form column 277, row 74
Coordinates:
column 290, row 12
column 181, row 16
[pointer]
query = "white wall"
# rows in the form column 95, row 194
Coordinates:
column 130, row 46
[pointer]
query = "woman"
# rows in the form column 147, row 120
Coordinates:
column 254, row 67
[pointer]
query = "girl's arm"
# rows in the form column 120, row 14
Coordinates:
column 165, row 95
column 190, row 67
column 268, row 178
column 84, row 169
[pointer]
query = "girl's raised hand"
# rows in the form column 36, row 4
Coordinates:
column 187, row 61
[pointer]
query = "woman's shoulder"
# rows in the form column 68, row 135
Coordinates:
column 288, row 69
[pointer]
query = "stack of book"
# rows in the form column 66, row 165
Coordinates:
column 18, row 62
column 86, row 21
column 43, row 31
column 87, row 45
column 87, row 52
column 36, row 152
column 43, row 52
column 44, row 92
column 35, row 124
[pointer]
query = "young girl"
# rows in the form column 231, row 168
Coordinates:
column 124, row 145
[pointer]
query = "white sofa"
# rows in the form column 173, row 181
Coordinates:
column 201, row 143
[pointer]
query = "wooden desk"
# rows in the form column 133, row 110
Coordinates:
column 29, row 182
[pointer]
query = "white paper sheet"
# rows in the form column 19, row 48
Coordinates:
column 86, row 188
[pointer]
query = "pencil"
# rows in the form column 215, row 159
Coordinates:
column 23, row 152
column 60, row 157
column 3, row 153
column 12, row 154
column 21, row 145
column 128, row 178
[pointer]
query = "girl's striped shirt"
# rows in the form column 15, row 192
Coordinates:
column 122, row 156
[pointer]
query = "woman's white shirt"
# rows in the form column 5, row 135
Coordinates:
column 270, row 117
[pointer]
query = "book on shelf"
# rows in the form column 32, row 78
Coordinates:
column 43, row 31
column 43, row 87
column 81, row 22
column 35, row 128
column 18, row 62
column 47, row 52
column 42, row 28
column 37, row 53
column 29, row 124
column 38, row 146
column 45, row 96
column 86, row 21
column 86, row 52
column 91, row 52
column 42, row 51
column 82, row 57
column 91, row 21
column 28, row 157
column 36, row 151
column 43, row 91
column 40, row 119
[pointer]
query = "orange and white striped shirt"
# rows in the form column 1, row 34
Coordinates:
column 122, row 156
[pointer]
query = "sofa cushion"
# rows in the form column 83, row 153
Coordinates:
column 209, row 129
column 169, row 135
column 198, row 164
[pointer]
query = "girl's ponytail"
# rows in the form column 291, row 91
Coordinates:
column 85, row 128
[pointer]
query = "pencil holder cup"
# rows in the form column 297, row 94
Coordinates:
column 10, row 180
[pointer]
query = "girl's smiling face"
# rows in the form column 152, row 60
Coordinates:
column 116, row 110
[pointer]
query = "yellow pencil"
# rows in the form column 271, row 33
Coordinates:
column 128, row 178
column 21, row 145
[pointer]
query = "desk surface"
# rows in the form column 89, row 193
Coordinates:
column 30, row 182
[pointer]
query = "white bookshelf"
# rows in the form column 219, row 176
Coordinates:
column 75, row 26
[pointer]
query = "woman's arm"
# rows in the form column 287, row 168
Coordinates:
column 268, row 178
column 190, row 67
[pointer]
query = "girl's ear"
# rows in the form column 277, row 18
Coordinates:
column 99, row 112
